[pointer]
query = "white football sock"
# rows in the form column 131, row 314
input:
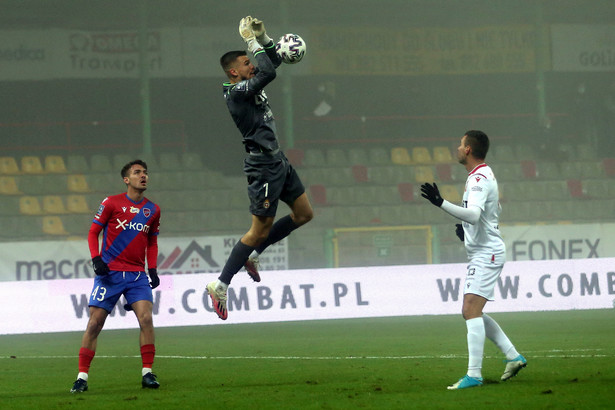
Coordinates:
column 83, row 376
column 495, row 333
column 476, row 345
column 145, row 371
column 254, row 254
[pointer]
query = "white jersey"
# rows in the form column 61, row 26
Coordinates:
column 483, row 239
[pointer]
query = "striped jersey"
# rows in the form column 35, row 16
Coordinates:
column 127, row 225
column 483, row 238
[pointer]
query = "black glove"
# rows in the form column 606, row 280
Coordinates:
column 153, row 275
column 459, row 232
column 100, row 267
column 431, row 193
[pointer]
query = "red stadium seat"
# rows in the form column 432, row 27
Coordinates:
column 318, row 193
column 529, row 169
column 359, row 172
column 406, row 191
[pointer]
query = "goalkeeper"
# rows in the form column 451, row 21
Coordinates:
column 486, row 252
column 270, row 176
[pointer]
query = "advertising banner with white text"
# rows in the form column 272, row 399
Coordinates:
column 181, row 300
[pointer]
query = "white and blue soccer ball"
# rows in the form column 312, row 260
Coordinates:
column 290, row 48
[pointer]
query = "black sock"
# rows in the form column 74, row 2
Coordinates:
column 238, row 257
column 280, row 230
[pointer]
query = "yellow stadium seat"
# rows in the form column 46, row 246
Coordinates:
column 442, row 155
column 77, row 183
column 53, row 204
column 32, row 165
column 55, row 164
column 400, row 156
column 29, row 205
column 76, row 204
column 423, row 173
column 8, row 186
column 421, row 155
column 8, row 166
column 52, row 225
column 450, row 193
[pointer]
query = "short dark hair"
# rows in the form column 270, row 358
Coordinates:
column 479, row 142
column 229, row 58
column 126, row 168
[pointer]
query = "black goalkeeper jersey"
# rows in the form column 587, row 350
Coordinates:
column 249, row 107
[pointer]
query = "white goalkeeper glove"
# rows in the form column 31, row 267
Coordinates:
column 246, row 32
column 258, row 27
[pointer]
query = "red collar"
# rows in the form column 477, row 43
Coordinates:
column 479, row 166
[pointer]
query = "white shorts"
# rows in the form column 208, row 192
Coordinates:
column 482, row 276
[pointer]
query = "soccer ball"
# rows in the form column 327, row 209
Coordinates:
column 290, row 48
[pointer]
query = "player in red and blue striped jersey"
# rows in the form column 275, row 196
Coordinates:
column 129, row 223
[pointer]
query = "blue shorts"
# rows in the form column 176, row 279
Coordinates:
column 108, row 289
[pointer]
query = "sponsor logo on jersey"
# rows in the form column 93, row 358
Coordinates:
column 134, row 210
column 133, row 226
column 101, row 208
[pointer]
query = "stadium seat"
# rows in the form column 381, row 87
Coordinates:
column 421, row 155
column 444, row 172
column 336, row 157
column 53, row 204
column 318, row 192
column 8, row 186
column 100, row 163
column 503, row 153
column 314, row 158
column 150, row 160
column 52, row 225
column 400, row 156
column 508, row 171
column 575, row 187
column 359, row 172
column 191, row 161
column 295, row 156
column 450, row 193
column 423, row 173
column 31, row 165
column 77, row 164
column 598, row 188
column 608, row 164
column 54, row 164
column 378, row 156
column 119, row 160
column 548, row 170
column 343, row 196
column 8, row 166
column 358, row 156
column 77, row 183
column 9, row 205
column 442, row 155
column 77, row 204
column 169, row 161
column 338, row 176
column 553, row 190
column 406, row 191
column 29, row 205
column 528, row 168
column 585, row 152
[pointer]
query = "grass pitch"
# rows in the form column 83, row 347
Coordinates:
column 385, row 363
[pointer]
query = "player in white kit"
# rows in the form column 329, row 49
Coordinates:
column 486, row 252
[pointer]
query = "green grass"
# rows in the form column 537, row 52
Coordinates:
column 385, row 363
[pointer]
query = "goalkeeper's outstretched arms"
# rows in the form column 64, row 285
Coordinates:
column 431, row 192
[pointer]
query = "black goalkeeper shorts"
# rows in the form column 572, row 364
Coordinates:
column 271, row 179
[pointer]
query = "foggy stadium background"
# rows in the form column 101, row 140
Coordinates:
column 551, row 129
